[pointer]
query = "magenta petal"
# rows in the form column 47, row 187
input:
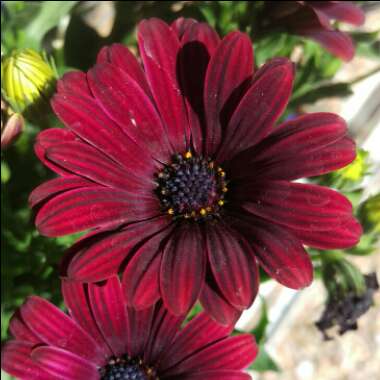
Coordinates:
column 139, row 329
column 86, row 161
column 181, row 24
column 159, row 47
column 183, row 269
column 77, row 303
column 101, row 259
column 197, row 333
column 81, row 209
column 336, row 42
column 55, row 186
column 64, row 365
column 307, row 163
column 89, row 122
column 234, row 353
column 345, row 235
column 199, row 42
column 260, row 107
column 74, row 82
column 16, row 360
column 141, row 279
column 344, row 11
column 54, row 327
column 120, row 56
column 49, row 138
column 20, row 331
column 126, row 103
column 214, row 375
column 296, row 205
column 216, row 306
column 230, row 67
column 279, row 252
column 108, row 307
column 165, row 326
column 233, row 265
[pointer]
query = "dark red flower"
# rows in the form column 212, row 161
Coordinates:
column 181, row 177
column 104, row 339
column 313, row 19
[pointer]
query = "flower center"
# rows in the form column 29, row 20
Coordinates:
column 125, row 368
column 191, row 187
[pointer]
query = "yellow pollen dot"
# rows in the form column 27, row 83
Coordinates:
column 221, row 202
column 225, row 189
column 163, row 192
column 171, row 211
column 220, row 169
column 203, row 211
column 188, row 155
column 222, row 173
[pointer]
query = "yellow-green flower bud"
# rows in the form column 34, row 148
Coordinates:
column 357, row 169
column 370, row 213
column 27, row 79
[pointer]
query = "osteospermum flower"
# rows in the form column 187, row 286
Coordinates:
column 313, row 19
column 182, row 178
column 102, row 338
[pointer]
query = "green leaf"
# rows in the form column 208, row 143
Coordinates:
column 50, row 14
column 5, row 172
column 264, row 362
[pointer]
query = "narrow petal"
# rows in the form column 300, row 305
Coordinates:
column 233, row 265
column 233, row 353
column 183, row 269
column 54, row 327
column 85, row 161
column 87, row 120
column 98, row 260
column 181, row 24
column 216, row 305
column 215, row 375
column 159, row 47
column 49, row 138
column 296, row 205
column 199, row 42
column 63, row 364
column 56, row 186
column 74, row 82
column 16, row 360
column 197, row 333
column 77, row 303
column 288, row 165
column 89, row 207
column 305, row 134
column 141, row 277
column 278, row 251
column 230, row 67
column 109, row 310
column 164, row 328
column 139, row 330
column 124, row 101
column 120, row 56
column 345, row 11
column 346, row 235
column 260, row 107
column 20, row 331
column 336, row 42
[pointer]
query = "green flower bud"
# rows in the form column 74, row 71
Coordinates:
column 370, row 213
column 27, row 79
column 357, row 169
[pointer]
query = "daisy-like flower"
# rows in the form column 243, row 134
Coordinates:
column 178, row 172
column 102, row 338
column 313, row 19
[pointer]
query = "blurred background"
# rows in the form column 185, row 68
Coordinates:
column 69, row 34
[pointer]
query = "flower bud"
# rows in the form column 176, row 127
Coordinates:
column 370, row 214
column 27, row 79
column 12, row 124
